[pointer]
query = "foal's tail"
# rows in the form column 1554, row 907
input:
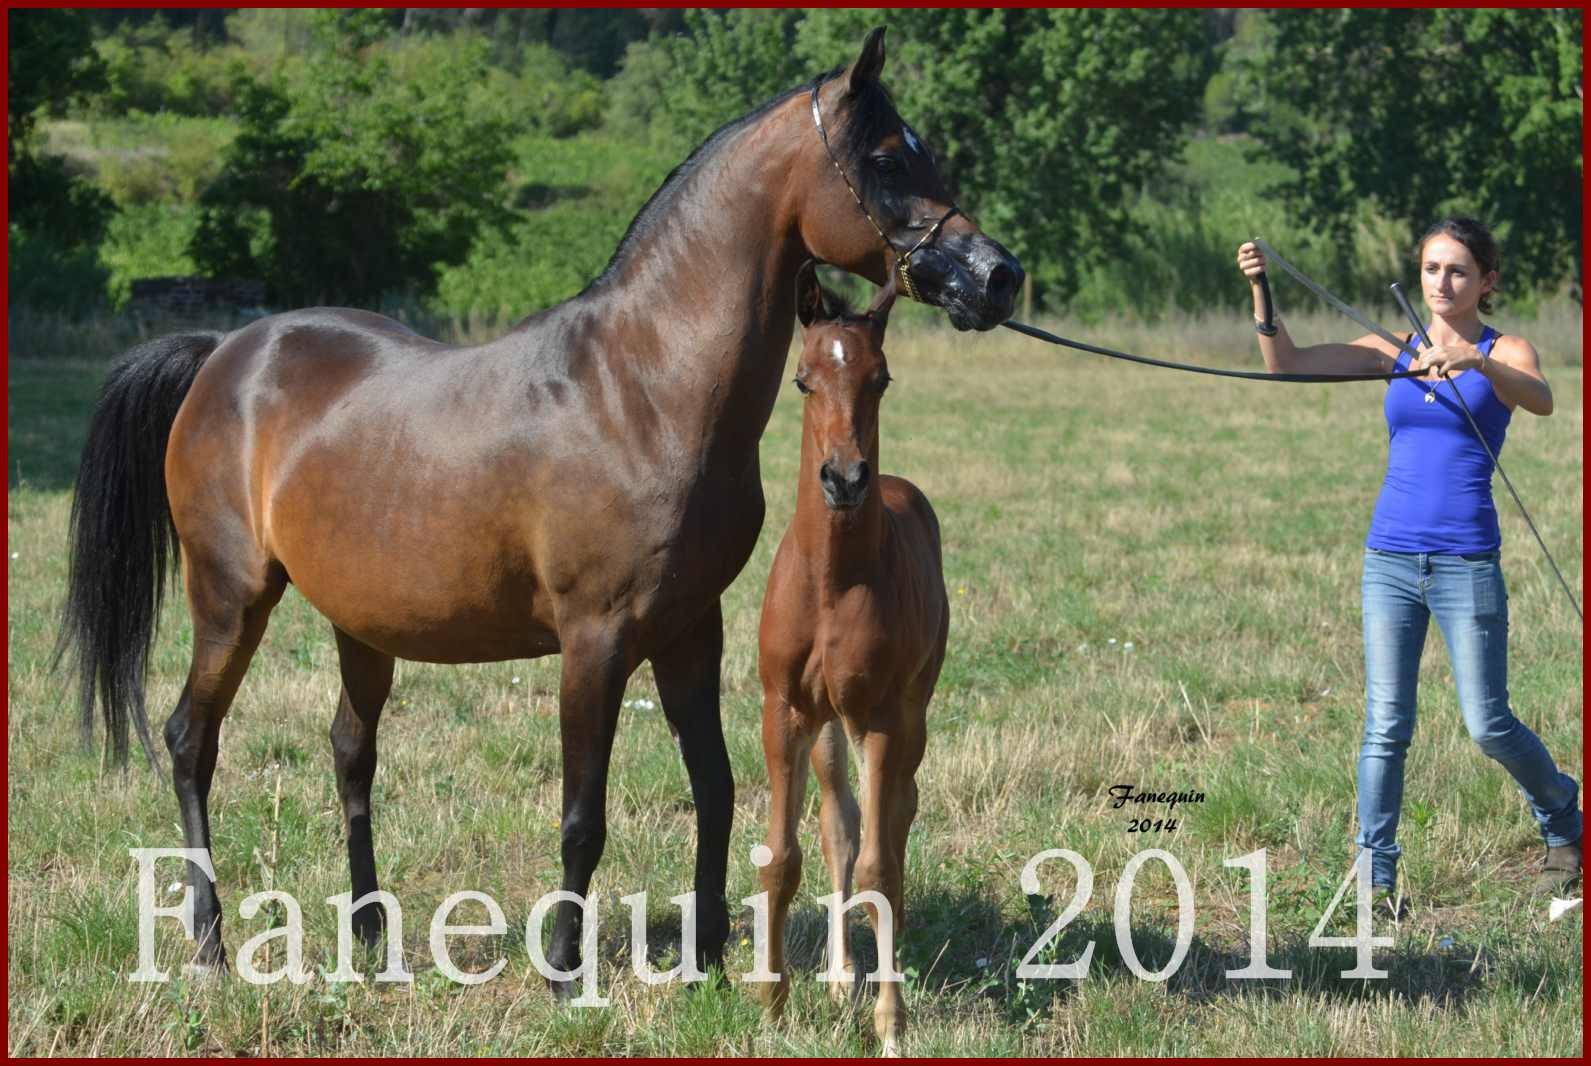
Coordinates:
column 122, row 541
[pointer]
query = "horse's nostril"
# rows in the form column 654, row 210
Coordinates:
column 860, row 475
column 1000, row 287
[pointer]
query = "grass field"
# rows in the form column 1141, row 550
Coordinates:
column 1154, row 580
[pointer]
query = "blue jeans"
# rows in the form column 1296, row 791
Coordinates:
column 1466, row 594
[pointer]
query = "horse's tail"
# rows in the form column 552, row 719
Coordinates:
column 122, row 541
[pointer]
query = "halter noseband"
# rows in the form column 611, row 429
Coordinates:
column 902, row 260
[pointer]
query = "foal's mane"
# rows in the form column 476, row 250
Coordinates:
column 871, row 112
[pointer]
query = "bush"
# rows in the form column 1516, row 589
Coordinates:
column 47, row 276
column 150, row 240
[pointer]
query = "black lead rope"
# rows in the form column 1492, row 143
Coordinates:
column 1267, row 327
column 1425, row 339
column 1246, row 375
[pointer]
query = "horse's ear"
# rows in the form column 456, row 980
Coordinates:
column 809, row 294
column 869, row 64
column 878, row 313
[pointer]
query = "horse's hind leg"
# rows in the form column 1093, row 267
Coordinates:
column 840, row 831
column 688, row 683
column 366, row 681
column 229, row 604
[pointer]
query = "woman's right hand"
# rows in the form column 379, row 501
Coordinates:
column 1251, row 261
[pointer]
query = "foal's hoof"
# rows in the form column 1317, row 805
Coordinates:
column 847, row 992
column 773, row 996
column 564, row 992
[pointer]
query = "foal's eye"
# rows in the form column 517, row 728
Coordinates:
column 802, row 387
column 882, row 383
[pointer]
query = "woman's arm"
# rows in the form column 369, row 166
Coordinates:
column 1366, row 355
column 1514, row 370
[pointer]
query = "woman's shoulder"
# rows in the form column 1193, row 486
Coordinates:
column 1514, row 350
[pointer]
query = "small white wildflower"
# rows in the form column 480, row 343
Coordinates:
column 514, row 681
column 15, row 555
column 982, row 963
column 175, row 886
column 1082, row 647
column 1127, row 646
column 1112, row 640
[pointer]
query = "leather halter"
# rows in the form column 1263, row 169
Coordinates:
column 902, row 259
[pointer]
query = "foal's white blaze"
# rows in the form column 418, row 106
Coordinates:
column 911, row 140
column 839, row 354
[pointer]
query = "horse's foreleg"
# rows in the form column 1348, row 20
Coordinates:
column 890, row 802
column 366, row 681
column 688, row 683
column 596, row 666
column 840, row 830
column 229, row 615
column 787, row 737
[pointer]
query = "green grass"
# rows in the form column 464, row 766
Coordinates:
column 1085, row 504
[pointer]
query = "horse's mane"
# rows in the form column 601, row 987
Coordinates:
column 871, row 111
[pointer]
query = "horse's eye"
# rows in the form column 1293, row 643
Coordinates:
column 802, row 387
column 888, row 164
column 882, row 383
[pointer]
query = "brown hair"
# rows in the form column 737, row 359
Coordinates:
column 1474, row 235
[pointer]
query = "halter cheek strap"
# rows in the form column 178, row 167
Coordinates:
column 902, row 259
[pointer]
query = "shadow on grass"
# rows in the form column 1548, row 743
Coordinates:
column 949, row 934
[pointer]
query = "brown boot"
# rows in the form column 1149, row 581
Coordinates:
column 1561, row 872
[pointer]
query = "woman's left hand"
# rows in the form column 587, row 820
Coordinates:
column 1448, row 359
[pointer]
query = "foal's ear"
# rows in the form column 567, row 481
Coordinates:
column 869, row 64
column 809, row 294
column 878, row 313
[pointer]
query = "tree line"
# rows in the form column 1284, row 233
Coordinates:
column 486, row 159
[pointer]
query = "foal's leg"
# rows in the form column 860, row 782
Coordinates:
column 230, row 603
column 787, row 738
column 840, row 831
column 687, row 681
column 889, row 801
column 366, row 681
column 596, row 664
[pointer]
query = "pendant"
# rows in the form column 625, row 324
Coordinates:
column 1430, row 395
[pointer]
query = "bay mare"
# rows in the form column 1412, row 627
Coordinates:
column 586, row 485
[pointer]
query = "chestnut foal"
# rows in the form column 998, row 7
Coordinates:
column 853, row 636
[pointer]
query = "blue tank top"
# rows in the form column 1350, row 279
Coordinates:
column 1437, row 496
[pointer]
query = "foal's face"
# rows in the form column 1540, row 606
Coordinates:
column 843, row 374
column 896, row 176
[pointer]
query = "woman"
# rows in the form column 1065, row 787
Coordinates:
column 1433, row 542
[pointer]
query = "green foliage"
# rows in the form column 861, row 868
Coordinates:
column 44, row 275
column 152, row 67
column 147, row 240
column 158, row 158
column 1431, row 112
column 578, row 196
column 366, row 182
column 55, row 217
column 51, row 64
column 1046, row 121
column 676, row 90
